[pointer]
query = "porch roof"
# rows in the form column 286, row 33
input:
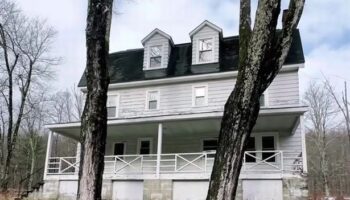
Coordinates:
column 279, row 119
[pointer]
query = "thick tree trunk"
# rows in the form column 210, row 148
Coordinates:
column 94, row 119
column 261, row 56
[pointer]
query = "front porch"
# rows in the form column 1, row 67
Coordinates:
column 183, row 147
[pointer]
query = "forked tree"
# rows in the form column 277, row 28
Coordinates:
column 94, row 117
column 262, row 52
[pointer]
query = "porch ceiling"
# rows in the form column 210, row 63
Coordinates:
column 283, row 122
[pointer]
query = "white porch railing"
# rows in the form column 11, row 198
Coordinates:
column 254, row 161
column 272, row 161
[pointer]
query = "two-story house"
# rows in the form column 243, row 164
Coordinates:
column 165, row 103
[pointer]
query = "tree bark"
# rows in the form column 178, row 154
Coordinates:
column 262, row 53
column 94, row 118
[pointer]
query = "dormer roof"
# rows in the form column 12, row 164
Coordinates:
column 205, row 23
column 157, row 31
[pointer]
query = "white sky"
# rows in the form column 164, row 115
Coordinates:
column 324, row 27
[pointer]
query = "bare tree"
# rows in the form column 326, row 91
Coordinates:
column 24, row 48
column 321, row 114
column 94, row 118
column 262, row 52
column 342, row 103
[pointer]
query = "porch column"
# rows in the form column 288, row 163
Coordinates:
column 303, row 144
column 77, row 157
column 48, row 153
column 159, row 147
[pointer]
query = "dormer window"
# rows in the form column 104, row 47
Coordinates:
column 205, row 50
column 155, row 57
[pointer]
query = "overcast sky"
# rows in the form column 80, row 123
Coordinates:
column 324, row 27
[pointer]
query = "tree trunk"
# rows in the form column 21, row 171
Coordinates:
column 94, row 118
column 262, row 54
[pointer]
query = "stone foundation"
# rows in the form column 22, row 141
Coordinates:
column 155, row 189
column 295, row 188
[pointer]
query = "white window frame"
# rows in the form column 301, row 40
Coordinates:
column 147, row 99
column 266, row 98
column 149, row 57
column 139, row 140
column 198, row 50
column 117, row 104
column 258, row 142
column 124, row 142
column 194, row 95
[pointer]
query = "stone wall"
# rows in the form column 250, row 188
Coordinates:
column 295, row 188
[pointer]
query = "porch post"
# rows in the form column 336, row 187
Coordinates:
column 159, row 147
column 303, row 144
column 77, row 157
column 48, row 153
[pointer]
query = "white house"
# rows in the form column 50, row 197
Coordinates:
column 165, row 103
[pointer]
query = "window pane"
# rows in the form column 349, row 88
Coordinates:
column 199, row 101
column 200, row 91
column 155, row 51
column 262, row 100
column 268, row 143
column 119, row 149
column 145, row 147
column 205, row 56
column 155, row 62
column 111, row 111
column 210, row 145
column 152, row 95
column 112, row 100
column 152, row 105
column 250, row 147
column 205, row 44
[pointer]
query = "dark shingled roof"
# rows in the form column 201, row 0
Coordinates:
column 126, row 66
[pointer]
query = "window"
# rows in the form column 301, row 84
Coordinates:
column 262, row 100
column 210, row 145
column 200, row 96
column 119, row 148
column 205, row 50
column 268, row 144
column 112, row 106
column 155, row 56
column 152, row 100
column 250, row 147
column 145, row 146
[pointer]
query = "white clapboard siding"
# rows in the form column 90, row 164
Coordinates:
column 157, row 39
column 205, row 33
column 284, row 90
column 177, row 98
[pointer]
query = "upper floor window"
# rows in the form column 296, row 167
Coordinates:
column 152, row 100
column 262, row 100
column 200, row 95
column 112, row 106
column 205, row 50
column 155, row 56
